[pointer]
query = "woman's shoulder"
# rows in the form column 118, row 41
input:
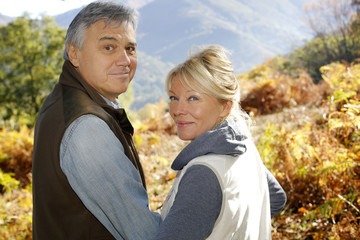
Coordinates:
column 218, row 163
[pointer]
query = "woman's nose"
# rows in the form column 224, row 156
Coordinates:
column 178, row 107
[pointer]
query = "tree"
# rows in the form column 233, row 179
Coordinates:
column 332, row 18
column 335, row 24
column 30, row 64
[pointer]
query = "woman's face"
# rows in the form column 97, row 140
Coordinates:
column 193, row 112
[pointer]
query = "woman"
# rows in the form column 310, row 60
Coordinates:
column 221, row 189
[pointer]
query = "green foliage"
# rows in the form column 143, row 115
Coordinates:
column 30, row 64
column 333, row 207
column 319, row 52
column 355, row 35
column 327, row 47
column 266, row 142
column 7, row 182
column 335, row 27
column 284, row 66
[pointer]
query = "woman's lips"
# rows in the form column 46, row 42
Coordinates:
column 182, row 124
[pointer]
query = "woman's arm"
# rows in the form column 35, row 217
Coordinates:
column 277, row 194
column 196, row 206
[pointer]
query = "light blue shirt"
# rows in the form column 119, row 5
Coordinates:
column 94, row 162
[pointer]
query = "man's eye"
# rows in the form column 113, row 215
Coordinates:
column 131, row 49
column 109, row 48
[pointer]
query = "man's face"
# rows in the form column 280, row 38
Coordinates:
column 107, row 60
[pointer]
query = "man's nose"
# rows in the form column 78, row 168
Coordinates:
column 123, row 58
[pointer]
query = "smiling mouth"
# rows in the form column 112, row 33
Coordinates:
column 120, row 73
column 182, row 124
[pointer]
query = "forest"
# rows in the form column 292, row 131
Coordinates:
column 305, row 107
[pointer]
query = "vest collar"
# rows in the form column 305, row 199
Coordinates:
column 72, row 78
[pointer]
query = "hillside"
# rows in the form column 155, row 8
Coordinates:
column 5, row 19
column 252, row 30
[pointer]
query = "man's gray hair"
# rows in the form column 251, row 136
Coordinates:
column 111, row 12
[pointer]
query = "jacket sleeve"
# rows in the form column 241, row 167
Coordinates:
column 277, row 194
column 105, row 180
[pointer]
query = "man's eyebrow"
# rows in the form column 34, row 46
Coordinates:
column 116, row 40
column 108, row 38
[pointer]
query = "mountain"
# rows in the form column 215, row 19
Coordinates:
column 252, row 30
column 5, row 19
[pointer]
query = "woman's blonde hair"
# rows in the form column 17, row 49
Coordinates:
column 208, row 70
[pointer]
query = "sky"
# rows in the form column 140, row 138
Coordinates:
column 16, row 8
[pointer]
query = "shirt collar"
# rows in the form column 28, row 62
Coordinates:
column 116, row 104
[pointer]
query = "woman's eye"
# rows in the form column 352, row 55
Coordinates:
column 172, row 98
column 193, row 98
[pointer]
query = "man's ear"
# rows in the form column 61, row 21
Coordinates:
column 73, row 53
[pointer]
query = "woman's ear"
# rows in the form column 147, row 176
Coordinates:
column 73, row 53
column 227, row 106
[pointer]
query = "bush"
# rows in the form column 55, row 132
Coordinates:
column 16, row 149
column 318, row 164
column 273, row 91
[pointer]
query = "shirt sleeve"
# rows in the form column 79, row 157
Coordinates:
column 277, row 194
column 106, row 181
column 196, row 207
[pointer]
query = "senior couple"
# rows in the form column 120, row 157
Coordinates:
column 88, row 182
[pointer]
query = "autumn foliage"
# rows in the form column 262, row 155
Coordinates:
column 310, row 141
column 271, row 92
column 318, row 163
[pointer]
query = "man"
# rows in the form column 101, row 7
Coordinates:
column 88, row 182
